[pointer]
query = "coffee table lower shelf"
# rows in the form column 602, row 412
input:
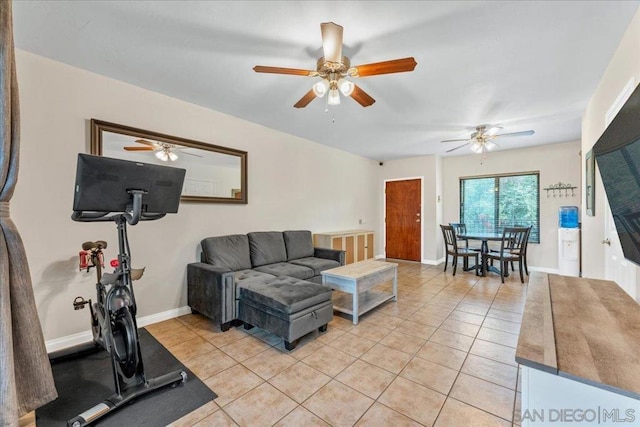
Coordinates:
column 362, row 286
column 343, row 302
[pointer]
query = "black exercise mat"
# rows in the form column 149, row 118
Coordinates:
column 86, row 381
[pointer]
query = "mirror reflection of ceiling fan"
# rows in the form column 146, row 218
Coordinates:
column 163, row 150
column 481, row 140
column 333, row 69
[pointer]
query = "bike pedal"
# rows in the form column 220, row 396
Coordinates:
column 79, row 303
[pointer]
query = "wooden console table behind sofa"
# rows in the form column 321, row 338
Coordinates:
column 357, row 244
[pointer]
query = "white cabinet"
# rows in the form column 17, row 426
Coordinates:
column 358, row 244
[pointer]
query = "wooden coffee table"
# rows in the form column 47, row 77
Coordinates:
column 358, row 282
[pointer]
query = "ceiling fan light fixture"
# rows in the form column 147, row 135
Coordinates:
column 346, row 87
column 162, row 155
column 334, row 96
column 490, row 145
column 172, row 156
column 320, row 88
column 476, row 147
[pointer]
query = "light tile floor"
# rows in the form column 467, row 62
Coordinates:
column 442, row 355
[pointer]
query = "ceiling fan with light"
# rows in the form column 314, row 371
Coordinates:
column 334, row 69
column 482, row 139
column 163, row 150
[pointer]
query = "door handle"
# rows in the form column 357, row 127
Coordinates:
column 606, row 241
column 417, row 220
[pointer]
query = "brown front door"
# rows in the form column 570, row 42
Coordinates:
column 403, row 222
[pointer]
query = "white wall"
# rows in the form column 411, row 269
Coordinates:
column 624, row 65
column 293, row 184
column 555, row 162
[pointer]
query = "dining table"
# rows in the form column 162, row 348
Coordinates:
column 484, row 237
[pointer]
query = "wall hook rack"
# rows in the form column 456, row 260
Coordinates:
column 561, row 190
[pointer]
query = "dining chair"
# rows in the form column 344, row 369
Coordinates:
column 451, row 246
column 512, row 249
column 461, row 228
column 525, row 245
column 524, row 250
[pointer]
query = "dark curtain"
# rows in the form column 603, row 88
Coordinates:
column 26, row 381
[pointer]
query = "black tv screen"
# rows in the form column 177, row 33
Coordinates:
column 103, row 185
column 617, row 153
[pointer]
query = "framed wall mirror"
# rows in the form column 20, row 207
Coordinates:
column 215, row 174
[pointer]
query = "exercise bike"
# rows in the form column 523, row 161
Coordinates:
column 113, row 321
column 119, row 326
column 102, row 195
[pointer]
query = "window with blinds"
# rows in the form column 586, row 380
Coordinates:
column 490, row 203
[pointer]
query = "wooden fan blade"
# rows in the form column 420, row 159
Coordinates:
column 523, row 133
column 458, row 147
column 138, row 148
column 362, row 97
column 331, row 41
column 280, row 70
column 456, row 140
column 305, row 100
column 386, row 67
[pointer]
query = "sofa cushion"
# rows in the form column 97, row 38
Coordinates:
column 266, row 247
column 299, row 244
column 286, row 269
column 245, row 276
column 231, row 252
column 316, row 264
column 285, row 294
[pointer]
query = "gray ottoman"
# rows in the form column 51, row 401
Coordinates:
column 285, row 306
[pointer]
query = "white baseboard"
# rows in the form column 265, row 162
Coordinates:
column 432, row 261
column 165, row 315
column 83, row 337
column 423, row 261
column 545, row 270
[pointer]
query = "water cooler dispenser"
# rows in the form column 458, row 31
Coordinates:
column 568, row 241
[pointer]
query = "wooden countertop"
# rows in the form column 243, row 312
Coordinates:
column 584, row 329
column 536, row 343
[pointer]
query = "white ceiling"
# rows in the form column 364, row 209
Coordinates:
column 520, row 65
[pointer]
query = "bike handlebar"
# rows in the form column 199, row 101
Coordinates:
column 132, row 217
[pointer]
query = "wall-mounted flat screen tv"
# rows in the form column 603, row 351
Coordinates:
column 617, row 153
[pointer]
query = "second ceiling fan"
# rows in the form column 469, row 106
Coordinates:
column 163, row 150
column 481, row 140
column 333, row 69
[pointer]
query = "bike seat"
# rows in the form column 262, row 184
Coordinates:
column 98, row 244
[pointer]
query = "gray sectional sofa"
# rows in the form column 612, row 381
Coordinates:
column 266, row 279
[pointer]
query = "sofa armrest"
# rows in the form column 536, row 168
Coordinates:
column 332, row 254
column 211, row 291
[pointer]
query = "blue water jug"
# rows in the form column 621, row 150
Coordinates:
column 568, row 217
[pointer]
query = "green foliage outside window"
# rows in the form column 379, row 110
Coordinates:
column 488, row 204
